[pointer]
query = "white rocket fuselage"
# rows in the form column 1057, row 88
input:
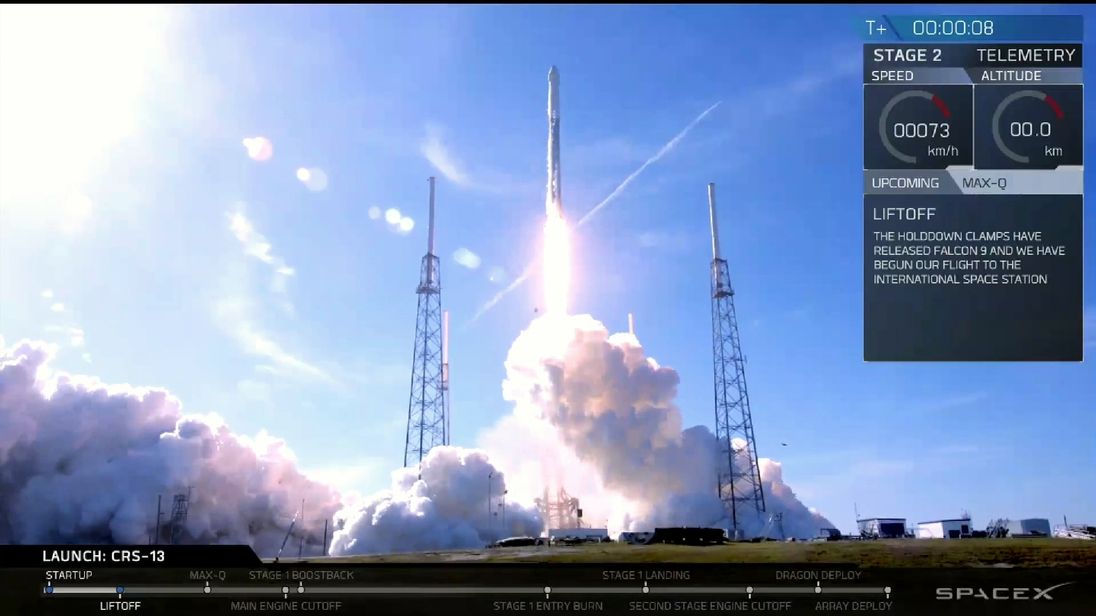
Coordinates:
column 553, row 200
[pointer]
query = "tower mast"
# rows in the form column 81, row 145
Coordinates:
column 426, row 408
column 738, row 476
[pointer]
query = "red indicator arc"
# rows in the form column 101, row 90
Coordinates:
column 1055, row 107
column 939, row 102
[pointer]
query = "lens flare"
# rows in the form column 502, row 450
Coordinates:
column 557, row 264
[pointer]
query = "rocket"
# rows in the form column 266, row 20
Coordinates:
column 553, row 201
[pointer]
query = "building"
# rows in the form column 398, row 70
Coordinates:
column 636, row 537
column 944, row 529
column 882, row 528
column 580, row 534
column 1029, row 527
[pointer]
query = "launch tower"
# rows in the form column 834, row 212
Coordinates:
column 427, row 426
column 738, row 478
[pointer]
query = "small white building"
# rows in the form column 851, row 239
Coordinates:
column 944, row 529
column 1029, row 527
column 882, row 528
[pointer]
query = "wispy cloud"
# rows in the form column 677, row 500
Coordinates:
column 439, row 156
column 64, row 330
column 467, row 258
column 750, row 113
column 257, row 246
column 75, row 335
column 952, row 402
column 673, row 241
column 234, row 317
column 256, row 391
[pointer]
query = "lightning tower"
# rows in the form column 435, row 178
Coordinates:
column 738, row 478
column 427, row 426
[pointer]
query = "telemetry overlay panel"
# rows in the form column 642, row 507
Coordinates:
column 973, row 188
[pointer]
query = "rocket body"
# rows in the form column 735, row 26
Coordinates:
column 553, row 200
column 557, row 251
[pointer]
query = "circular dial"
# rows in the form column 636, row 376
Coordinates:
column 1027, row 129
column 912, row 130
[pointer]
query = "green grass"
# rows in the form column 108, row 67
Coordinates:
column 885, row 553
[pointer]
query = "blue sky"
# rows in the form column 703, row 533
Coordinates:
column 173, row 259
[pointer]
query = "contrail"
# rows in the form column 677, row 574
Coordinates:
column 489, row 304
column 670, row 145
column 666, row 149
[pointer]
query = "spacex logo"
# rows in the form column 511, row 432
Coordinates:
column 998, row 594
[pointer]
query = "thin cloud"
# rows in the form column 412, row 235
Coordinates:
column 673, row 241
column 257, row 246
column 466, row 258
column 256, row 391
column 439, row 156
column 235, row 319
column 949, row 403
column 75, row 335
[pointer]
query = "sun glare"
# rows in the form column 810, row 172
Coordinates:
column 71, row 83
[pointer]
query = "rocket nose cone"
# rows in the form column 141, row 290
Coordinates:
column 553, row 74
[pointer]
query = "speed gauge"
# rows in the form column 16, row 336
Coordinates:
column 1028, row 127
column 921, row 127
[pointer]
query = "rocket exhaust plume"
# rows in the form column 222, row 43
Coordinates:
column 557, row 257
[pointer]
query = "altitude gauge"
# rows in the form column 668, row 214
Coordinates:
column 1028, row 127
column 919, row 127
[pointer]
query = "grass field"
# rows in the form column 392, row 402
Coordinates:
column 884, row 553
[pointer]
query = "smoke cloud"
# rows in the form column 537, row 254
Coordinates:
column 606, row 427
column 456, row 502
column 83, row 462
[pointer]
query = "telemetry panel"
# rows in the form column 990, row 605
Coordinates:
column 973, row 188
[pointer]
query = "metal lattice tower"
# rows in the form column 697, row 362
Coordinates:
column 738, row 478
column 180, row 506
column 426, row 411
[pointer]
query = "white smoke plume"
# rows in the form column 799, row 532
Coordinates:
column 457, row 501
column 596, row 415
column 83, row 462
